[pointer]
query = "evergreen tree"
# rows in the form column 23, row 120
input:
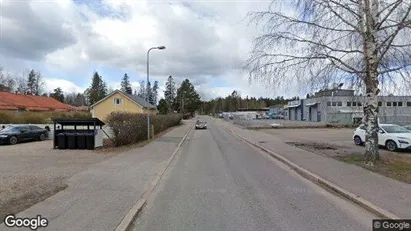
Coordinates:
column 97, row 90
column 34, row 82
column 187, row 99
column 155, row 92
column 170, row 92
column 58, row 94
column 142, row 91
column 31, row 82
column 162, row 107
column 125, row 84
column 149, row 93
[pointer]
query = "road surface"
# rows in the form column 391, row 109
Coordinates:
column 217, row 182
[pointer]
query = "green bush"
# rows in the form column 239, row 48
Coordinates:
column 11, row 117
column 129, row 128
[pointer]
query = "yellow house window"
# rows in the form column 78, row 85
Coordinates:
column 117, row 101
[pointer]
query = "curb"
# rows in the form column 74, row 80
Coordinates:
column 323, row 182
column 125, row 224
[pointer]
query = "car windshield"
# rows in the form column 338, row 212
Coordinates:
column 201, row 122
column 395, row 129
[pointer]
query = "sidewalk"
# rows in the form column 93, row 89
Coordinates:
column 100, row 197
column 391, row 195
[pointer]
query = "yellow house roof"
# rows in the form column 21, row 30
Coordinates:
column 133, row 98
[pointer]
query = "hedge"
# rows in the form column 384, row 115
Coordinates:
column 128, row 128
column 26, row 117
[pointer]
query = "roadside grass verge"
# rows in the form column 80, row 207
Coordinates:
column 396, row 166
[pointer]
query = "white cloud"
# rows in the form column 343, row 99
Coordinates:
column 206, row 41
column 65, row 85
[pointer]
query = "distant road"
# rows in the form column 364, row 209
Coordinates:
column 217, row 182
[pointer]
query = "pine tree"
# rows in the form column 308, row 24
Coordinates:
column 162, row 107
column 31, row 82
column 34, row 82
column 149, row 93
column 187, row 99
column 170, row 92
column 125, row 84
column 142, row 91
column 58, row 94
column 155, row 92
column 97, row 90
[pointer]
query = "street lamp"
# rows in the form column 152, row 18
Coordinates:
column 148, row 80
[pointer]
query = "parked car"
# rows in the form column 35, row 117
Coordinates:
column 408, row 127
column 391, row 136
column 14, row 134
column 201, row 124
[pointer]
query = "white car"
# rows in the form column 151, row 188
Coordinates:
column 391, row 136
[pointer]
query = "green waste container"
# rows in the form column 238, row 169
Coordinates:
column 90, row 141
column 61, row 141
column 71, row 140
column 81, row 141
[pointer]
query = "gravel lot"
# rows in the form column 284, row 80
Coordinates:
column 324, row 141
column 30, row 172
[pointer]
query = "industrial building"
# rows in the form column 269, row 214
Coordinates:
column 342, row 106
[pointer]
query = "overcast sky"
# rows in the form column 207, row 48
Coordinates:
column 208, row 41
column 66, row 40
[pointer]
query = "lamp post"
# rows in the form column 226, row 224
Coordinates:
column 148, row 80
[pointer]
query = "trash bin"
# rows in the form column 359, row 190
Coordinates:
column 61, row 141
column 71, row 140
column 90, row 141
column 81, row 141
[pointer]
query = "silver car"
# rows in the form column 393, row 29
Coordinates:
column 201, row 124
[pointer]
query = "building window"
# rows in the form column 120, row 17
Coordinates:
column 388, row 104
column 399, row 104
column 328, row 104
column 408, row 104
column 394, row 104
column 379, row 104
column 359, row 104
column 117, row 101
column 348, row 104
column 339, row 104
column 354, row 104
column 334, row 104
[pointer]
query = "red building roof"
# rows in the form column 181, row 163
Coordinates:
column 12, row 101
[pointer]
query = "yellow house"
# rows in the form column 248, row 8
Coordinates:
column 120, row 101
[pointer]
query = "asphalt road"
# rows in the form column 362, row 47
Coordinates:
column 217, row 182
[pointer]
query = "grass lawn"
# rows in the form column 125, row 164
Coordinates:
column 396, row 166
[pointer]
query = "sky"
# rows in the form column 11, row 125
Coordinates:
column 207, row 41
column 67, row 40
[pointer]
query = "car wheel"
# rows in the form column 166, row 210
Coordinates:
column 357, row 140
column 13, row 140
column 391, row 145
column 43, row 137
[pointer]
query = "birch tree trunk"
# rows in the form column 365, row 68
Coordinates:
column 370, row 8
column 357, row 41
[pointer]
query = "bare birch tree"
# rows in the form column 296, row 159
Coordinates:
column 314, row 42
